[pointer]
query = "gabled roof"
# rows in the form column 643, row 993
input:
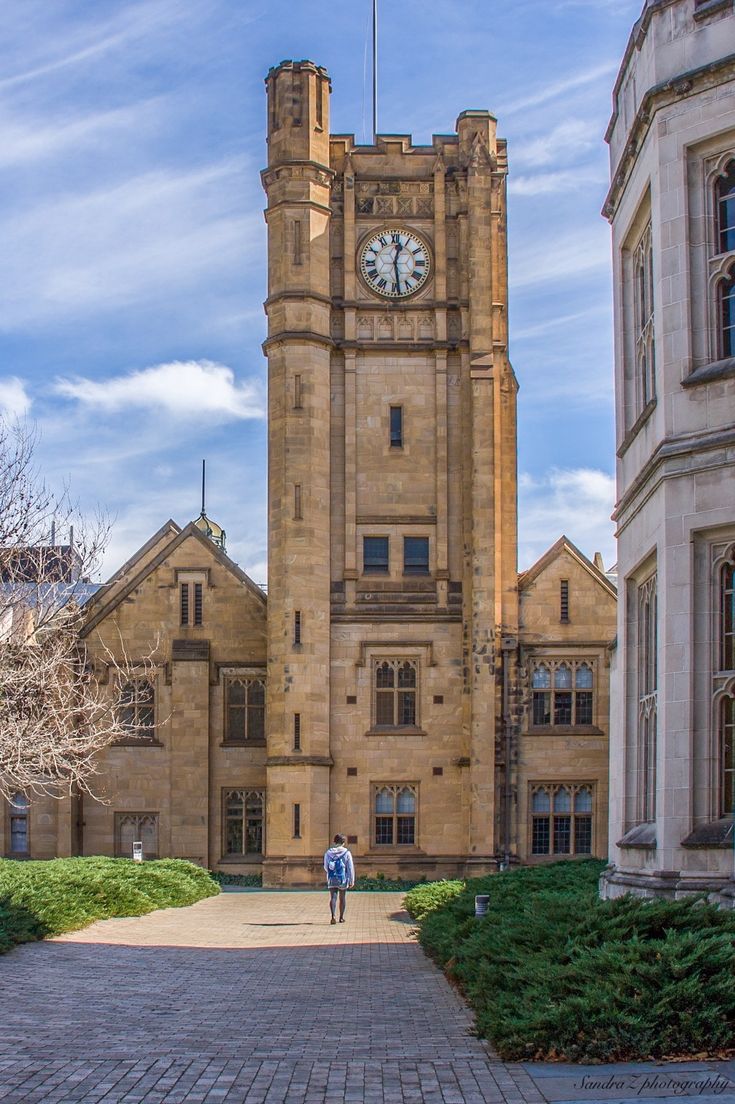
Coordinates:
column 100, row 608
column 557, row 549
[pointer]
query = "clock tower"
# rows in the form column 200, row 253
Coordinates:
column 393, row 599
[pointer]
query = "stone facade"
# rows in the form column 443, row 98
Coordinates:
column 403, row 652
column 672, row 146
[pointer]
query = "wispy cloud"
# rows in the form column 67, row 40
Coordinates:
column 566, row 180
column 554, row 89
column 197, row 389
column 14, row 399
column 574, row 501
column 566, row 256
column 559, row 145
column 132, row 242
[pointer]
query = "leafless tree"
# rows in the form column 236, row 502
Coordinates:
column 55, row 714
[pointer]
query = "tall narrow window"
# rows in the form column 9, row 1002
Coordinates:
column 297, row 502
column 647, row 700
column 395, row 693
column 184, row 603
column 727, row 314
column 198, row 603
column 19, row 817
column 564, row 600
column 191, row 603
column 137, row 710
column 727, row 757
column 297, row 392
column 297, row 821
column 297, row 732
column 319, row 104
column 243, row 822
column 375, row 551
column 297, row 259
column 415, row 555
column 396, row 427
column 725, row 196
column 395, row 808
column 297, row 627
column 645, row 351
column 727, row 617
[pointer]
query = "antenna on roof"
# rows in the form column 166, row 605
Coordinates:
column 204, row 480
column 375, row 71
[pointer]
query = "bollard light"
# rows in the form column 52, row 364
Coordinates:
column 482, row 900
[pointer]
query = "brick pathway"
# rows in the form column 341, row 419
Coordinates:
column 252, row 998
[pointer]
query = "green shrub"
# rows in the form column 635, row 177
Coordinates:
column 424, row 899
column 223, row 878
column 553, row 972
column 47, row 898
column 378, row 883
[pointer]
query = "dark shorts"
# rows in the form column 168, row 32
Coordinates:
column 334, row 888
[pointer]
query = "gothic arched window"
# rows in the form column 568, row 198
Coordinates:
column 726, row 294
column 725, row 197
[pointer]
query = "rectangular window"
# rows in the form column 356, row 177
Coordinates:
column 561, row 819
column 297, row 822
column 415, row 555
column 137, row 711
column 396, row 427
column 297, row 732
column 561, row 693
column 184, row 603
column 297, row 627
column 395, row 689
column 198, row 603
column 564, row 600
column 19, row 824
column 245, row 711
column 375, row 553
column 133, row 828
column 395, row 810
column 243, row 818
column 297, row 258
column 297, row 392
column 297, row 502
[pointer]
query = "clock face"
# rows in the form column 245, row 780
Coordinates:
column 395, row 263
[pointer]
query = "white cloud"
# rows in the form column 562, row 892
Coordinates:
column 566, row 180
column 575, row 501
column 182, row 389
column 560, row 144
column 568, row 255
column 14, row 400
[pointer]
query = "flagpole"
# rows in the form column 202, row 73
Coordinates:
column 375, row 71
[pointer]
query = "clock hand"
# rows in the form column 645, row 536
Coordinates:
column 396, row 255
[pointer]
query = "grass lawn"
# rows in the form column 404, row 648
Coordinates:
column 46, row 898
column 553, row 973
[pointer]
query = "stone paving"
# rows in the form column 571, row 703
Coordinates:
column 255, row 998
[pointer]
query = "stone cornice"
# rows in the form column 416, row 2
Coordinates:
column 668, row 449
column 307, row 337
column 299, row 761
column 661, row 95
column 298, row 170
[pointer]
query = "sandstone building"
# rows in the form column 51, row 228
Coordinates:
column 446, row 715
column 672, row 209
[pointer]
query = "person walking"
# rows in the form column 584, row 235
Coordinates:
column 340, row 870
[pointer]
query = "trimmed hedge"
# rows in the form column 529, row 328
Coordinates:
column 424, row 899
column 552, row 972
column 46, row 898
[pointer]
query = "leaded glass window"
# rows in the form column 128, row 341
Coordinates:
column 561, row 819
column 725, row 196
column 244, row 815
column 396, row 684
column 645, row 345
column 647, row 699
column 245, row 709
column 395, row 811
column 137, row 710
column 562, row 693
column 19, row 818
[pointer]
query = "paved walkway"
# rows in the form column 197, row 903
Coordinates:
column 253, row 998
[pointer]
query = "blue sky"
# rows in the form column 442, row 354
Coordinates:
column 134, row 242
